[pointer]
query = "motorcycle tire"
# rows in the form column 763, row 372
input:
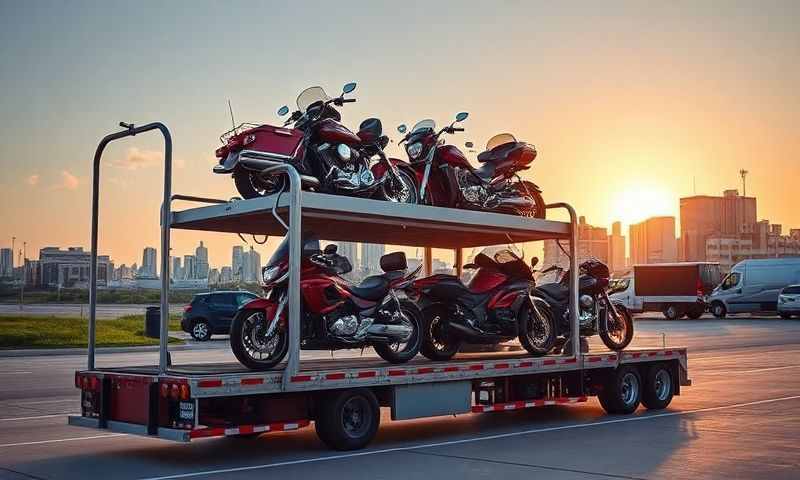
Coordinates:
column 537, row 341
column 437, row 344
column 392, row 353
column 615, row 344
column 250, row 186
column 527, row 188
column 410, row 183
column 241, row 342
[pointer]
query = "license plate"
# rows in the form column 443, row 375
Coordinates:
column 186, row 410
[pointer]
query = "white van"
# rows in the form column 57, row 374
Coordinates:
column 753, row 286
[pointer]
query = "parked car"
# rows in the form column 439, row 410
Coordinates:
column 674, row 289
column 789, row 301
column 212, row 313
column 753, row 286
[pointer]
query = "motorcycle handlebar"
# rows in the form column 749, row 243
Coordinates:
column 457, row 129
column 348, row 100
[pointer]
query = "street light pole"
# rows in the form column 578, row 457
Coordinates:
column 22, row 287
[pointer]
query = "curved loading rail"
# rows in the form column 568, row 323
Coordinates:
column 295, row 221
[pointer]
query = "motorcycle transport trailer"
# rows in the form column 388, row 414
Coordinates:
column 343, row 397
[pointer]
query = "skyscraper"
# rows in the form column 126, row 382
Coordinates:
column 148, row 268
column 616, row 248
column 237, row 258
column 251, row 266
column 189, row 267
column 201, row 256
column 704, row 216
column 349, row 250
column 6, row 263
column 371, row 254
column 653, row 241
column 592, row 243
column 176, row 272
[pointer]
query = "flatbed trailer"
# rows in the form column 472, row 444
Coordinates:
column 343, row 397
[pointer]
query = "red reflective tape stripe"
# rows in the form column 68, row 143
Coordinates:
column 450, row 369
column 519, row 404
column 570, row 360
column 207, row 432
column 549, row 362
column 302, row 378
column 252, row 381
column 335, row 376
column 668, row 352
column 612, row 357
column 652, row 354
column 501, row 365
column 636, row 355
column 367, row 374
column 209, row 383
column 396, row 373
column 425, row 370
column 595, row 359
column 525, row 364
column 245, row 429
column 476, row 367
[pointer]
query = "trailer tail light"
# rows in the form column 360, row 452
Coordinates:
column 91, row 390
column 180, row 407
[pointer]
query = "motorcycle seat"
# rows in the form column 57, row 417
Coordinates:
column 485, row 171
column 374, row 287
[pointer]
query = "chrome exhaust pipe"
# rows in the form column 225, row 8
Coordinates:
column 512, row 202
column 259, row 161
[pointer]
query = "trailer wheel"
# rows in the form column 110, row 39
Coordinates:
column 622, row 392
column 348, row 419
column 671, row 312
column 718, row 309
column 696, row 311
column 658, row 388
column 785, row 315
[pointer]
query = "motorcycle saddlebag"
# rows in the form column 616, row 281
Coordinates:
column 392, row 262
column 271, row 139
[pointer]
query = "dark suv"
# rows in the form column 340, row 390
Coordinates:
column 212, row 312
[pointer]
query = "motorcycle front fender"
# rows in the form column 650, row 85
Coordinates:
column 379, row 169
column 269, row 307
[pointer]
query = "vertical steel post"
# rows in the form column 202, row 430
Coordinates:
column 166, row 226
column 427, row 261
column 295, row 253
column 575, row 326
column 459, row 261
column 129, row 131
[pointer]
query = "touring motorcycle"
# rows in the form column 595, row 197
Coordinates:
column 329, row 157
column 496, row 306
column 335, row 314
column 598, row 314
column 446, row 178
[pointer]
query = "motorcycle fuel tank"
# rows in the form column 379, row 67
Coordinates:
column 452, row 156
column 334, row 132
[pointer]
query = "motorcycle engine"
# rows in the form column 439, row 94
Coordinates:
column 471, row 188
column 347, row 325
column 347, row 169
column 586, row 314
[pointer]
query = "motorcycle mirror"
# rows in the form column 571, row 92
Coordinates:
column 349, row 87
column 469, row 144
column 534, row 262
column 283, row 111
column 461, row 116
column 330, row 249
column 402, row 128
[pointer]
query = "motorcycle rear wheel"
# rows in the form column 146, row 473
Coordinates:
column 403, row 352
column 250, row 185
column 528, row 189
column 618, row 338
column 437, row 344
column 253, row 351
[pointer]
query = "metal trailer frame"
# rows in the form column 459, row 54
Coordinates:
column 334, row 218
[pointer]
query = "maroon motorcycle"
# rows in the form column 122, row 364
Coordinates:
column 329, row 157
column 447, row 179
column 496, row 306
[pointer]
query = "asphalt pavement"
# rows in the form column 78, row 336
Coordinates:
column 738, row 420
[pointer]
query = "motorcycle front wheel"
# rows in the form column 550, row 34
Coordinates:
column 399, row 190
column 617, row 333
column 537, row 329
column 250, row 344
column 251, row 185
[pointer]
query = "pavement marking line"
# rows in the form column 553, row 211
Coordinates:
column 15, row 373
column 466, row 440
column 14, row 419
column 39, row 402
column 757, row 370
column 61, row 440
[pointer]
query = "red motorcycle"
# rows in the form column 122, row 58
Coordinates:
column 335, row 313
column 447, row 179
column 329, row 157
column 496, row 306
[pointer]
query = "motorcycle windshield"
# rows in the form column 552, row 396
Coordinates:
column 310, row 96
column 500, row 139
column 426, row 124
column 502, row 254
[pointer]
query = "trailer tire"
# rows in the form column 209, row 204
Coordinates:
column 658, row 387
column 696, row 311
column 718, row 309
column 672, row 312
column 622, row 391
column 347, row 419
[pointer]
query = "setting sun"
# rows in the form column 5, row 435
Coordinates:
column 639, row 201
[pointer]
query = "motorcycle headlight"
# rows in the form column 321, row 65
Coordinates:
column 270, row 273
column 414, row 150
column 343, row 151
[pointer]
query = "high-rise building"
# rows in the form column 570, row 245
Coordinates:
column 704, row 217
column 201, row 255
column 349, row 250
column 69, row 268
column 237, row 262
column 371, row 254
column 213, row 276
column 189, row 267
column 592, row 243
column 251, row 266
column 6, row 263
column 226, row 275
column 616, row 248
column 176, row 271
column 653, row 241
column 148, row 268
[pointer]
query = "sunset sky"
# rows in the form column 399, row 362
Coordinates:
column 629, row 105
